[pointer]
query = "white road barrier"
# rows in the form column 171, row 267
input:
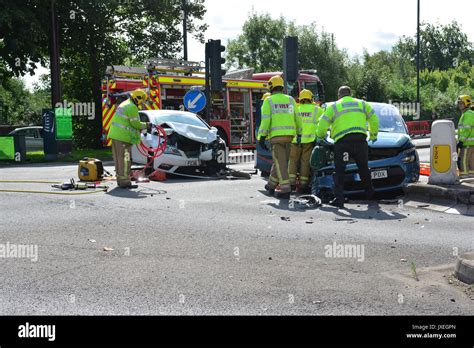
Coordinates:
column 443, row 153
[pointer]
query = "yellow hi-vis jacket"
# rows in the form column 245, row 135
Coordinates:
column 348, row 115
column 307, row 119
column 466, row 128
column 278, row 117
column 126, row 125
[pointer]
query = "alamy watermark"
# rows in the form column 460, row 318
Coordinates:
column 78, row 109
column 236, row 156
column 19, row 251
column 335, row 250
column 405, row 109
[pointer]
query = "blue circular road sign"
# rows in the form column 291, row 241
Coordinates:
column 194, row 101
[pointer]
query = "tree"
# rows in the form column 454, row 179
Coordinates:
column 441, row 46
column 317, row 50
column 94, row 34
column 260, row 46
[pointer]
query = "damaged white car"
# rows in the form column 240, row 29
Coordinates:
column 191, row 143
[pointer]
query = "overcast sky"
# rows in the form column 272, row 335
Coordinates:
column 371, row 24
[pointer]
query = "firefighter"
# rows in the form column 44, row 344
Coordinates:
column 300, row 154
column 348, row 118
column 125, row 132
column 279, row 126
column 466, row 136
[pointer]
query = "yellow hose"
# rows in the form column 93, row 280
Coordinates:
column 56, row 192
column 46, row 192
column 33, row 181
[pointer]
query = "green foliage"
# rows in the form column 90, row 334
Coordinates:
column 442, row 46
column 260, row 44
column 260, row 47
column 93, row 34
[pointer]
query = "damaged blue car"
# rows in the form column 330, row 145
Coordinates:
column 393, row 160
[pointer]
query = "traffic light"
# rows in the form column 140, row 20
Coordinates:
column 215, row 62
column 290, row 59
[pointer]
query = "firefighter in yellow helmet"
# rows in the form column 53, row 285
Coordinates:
column 306, row 121
column 466, row 136
column 125, row 131
column 279, row 126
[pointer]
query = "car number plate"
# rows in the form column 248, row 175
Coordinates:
column 193, row 163
column 379, row 174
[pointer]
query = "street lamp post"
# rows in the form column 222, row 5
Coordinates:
column 418, row 61
column 54, row 58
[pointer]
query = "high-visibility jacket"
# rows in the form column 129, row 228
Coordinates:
column 278, row 117
column 348, row 115
column 466, row 128
column 307, row 119
column 126, row 125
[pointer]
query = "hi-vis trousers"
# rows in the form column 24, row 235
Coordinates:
column 122, row 153
column 467, row 161
column 300, row 155
column 279, row 172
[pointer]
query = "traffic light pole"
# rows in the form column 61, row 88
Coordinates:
column 208, row 87
column 185, row 29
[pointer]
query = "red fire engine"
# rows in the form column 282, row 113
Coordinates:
column 234, row 111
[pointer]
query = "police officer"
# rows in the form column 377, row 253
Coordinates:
column 466, row 136
column 302, row 146
column 348, row 118
column 278, row 124
column 125, row 132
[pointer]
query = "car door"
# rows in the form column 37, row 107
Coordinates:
column 33, row 141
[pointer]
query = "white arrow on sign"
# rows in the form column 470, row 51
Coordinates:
column 192, row 104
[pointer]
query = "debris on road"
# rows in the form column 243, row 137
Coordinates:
column 285, row 218
column 343, row 219
column 389, row 201
column 309, row 222
column 108, row 249
column 403, row 260
column 307, row 201
column 92, row 240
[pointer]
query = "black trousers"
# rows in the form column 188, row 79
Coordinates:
column 354, row 146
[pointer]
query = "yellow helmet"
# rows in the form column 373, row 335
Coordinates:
column 306, row 94
column 139, row 96
column 465, row 99
column 266, row 95
column 275, row 81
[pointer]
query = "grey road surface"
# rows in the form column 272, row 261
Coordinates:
column 197, row 247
